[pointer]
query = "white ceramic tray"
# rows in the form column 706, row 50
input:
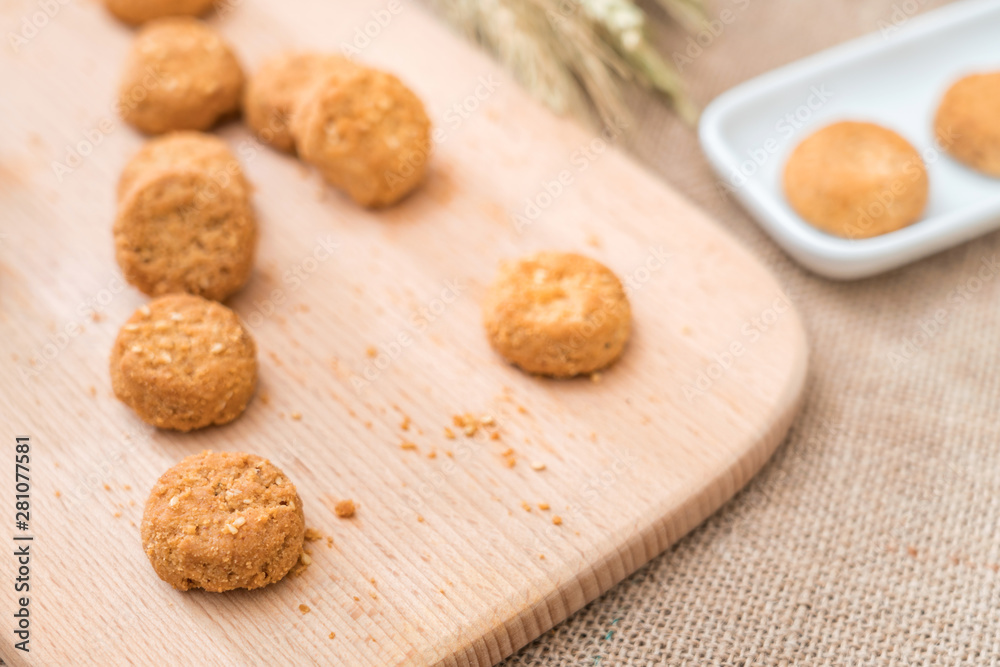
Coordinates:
column 895, row 77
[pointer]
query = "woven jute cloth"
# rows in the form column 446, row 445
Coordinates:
column 873, row 535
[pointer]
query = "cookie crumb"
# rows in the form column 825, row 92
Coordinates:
column 541, row 556
column 304, row 609
column 58, row 494
column 345, row 508
column 448, row 433
column 333, row 635
column 372, row 352
column 557, row 520
column 297, row 416
column 525, row 505
column 311, row 535
column 538, row 466
column 543, row 506
column 405, row 424
column 420, row 519
column 406, row 444
column 107, row 487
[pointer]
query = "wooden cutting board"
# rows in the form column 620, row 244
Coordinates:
column 444, row 563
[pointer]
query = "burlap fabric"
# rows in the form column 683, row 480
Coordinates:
column 872, row 536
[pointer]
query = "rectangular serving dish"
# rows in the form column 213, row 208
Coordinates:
column 895, row 77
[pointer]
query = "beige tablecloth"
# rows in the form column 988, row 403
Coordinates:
column 872, row 536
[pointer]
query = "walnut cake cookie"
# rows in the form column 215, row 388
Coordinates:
column 967, row 123
column 179, row 75
column 366, row 132
column 856, row 180
column 557, row 314
column 135, row 12
column 274, row 93
column 183, row 362
column 222, row 521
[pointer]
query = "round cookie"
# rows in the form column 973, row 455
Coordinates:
column 856, row 180
column 183, row 362
column 135, row 12
column 179, row 75
column 182, row 150
column 557, row 314
column 179, row 231
column 967, row 123
column 367, row 133
column 273, row 94
column 222, row 521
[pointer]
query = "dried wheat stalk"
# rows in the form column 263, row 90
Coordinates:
column 573, row 54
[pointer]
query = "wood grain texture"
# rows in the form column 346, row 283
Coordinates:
column 441, row 565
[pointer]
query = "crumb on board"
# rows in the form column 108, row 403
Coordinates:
column 495, row 435
column 304, row 608
column 297, row 416
column 117, row 515
column 406, row 444
column 345, row 509
column 58, row 494
column 543, row 506
column 127, row 487
column 405, row 424
column 557, row 520
column 523, row 410
column 538, row 466
column 333, row 635
column 541, row 556
column 448, row 433
column 371, row 351
column 420, row 519
column 329, row 542
column 357, row 599
column 525, row 505
column 264, row 398
column 312, row 535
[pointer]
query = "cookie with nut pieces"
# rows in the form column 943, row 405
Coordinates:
column 275, row 92
column 856, row 180
column 557, row 314
column 183, row 150
column 135, row 12
column 967, row 123
column 179, row 75
column 367, row 133
column 183, row 362
column 220, row 521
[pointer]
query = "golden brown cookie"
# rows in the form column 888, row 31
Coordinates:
column 968, row 122
column 221, row 521
column 367, row 133
column 273, row 94
column 856, row 180
column 557, row 314
column 179, row 75
column 135, row 12
column 183, row 362
column 183, row 150
column 179, row 231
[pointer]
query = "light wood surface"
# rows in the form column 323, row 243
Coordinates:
column 441, row 564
